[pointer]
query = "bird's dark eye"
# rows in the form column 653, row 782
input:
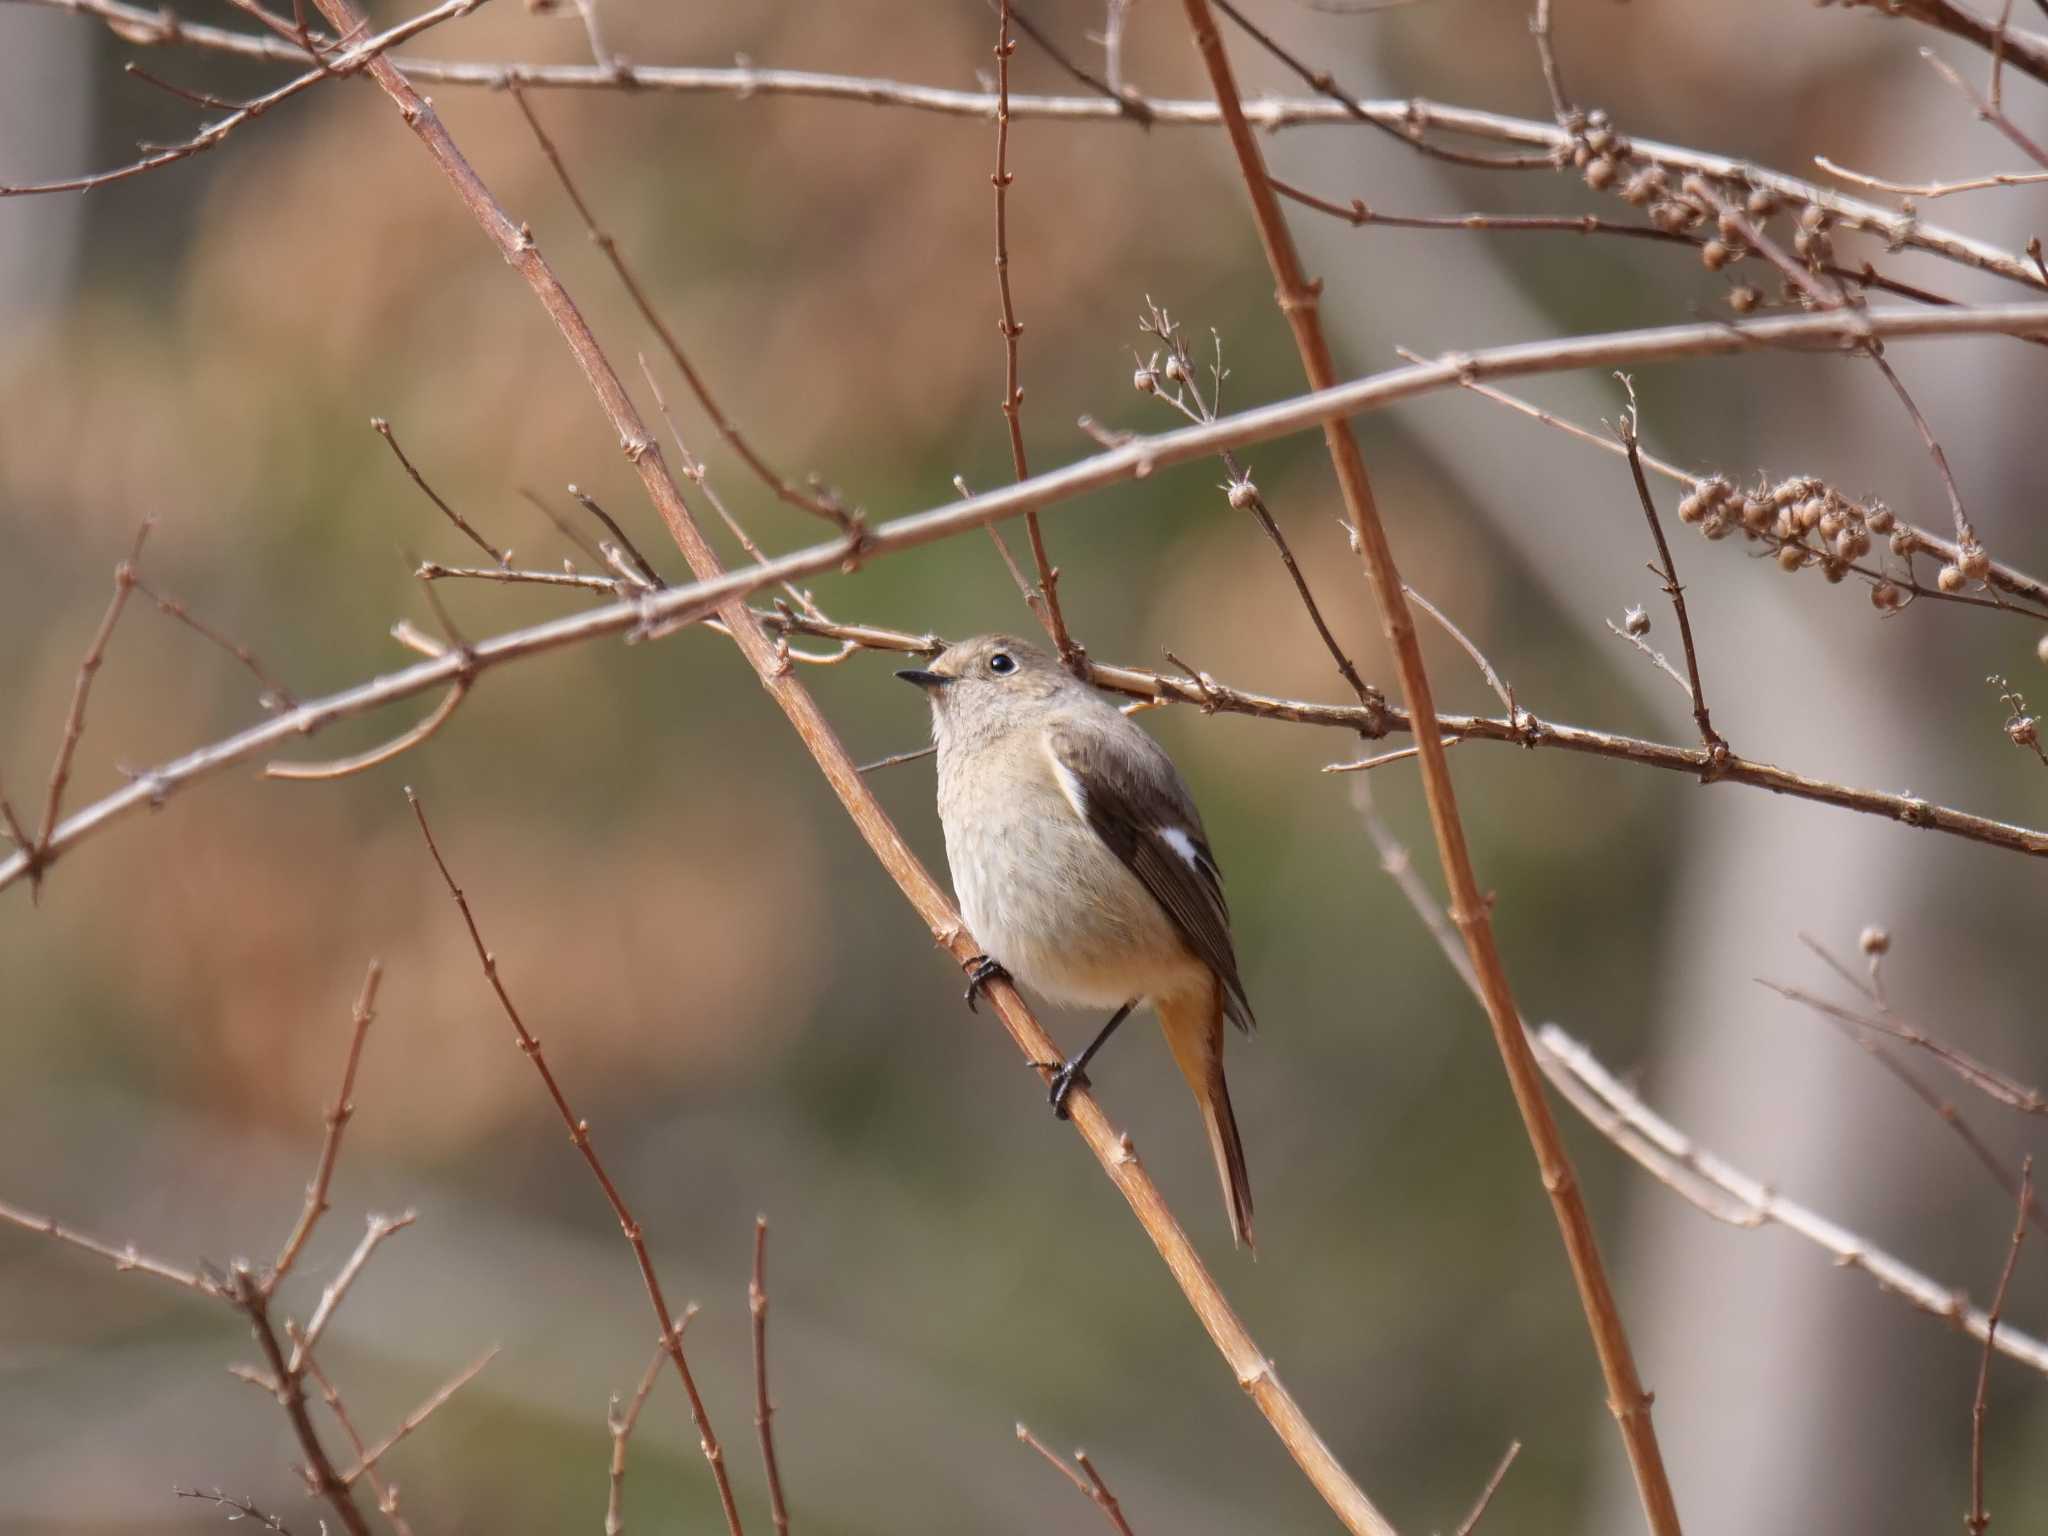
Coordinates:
column 1002, row 663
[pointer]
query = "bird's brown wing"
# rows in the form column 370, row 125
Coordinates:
column 1133, row 798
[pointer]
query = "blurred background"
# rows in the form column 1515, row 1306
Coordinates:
column 726, row 983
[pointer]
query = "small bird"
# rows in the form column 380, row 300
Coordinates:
column 1080, row 864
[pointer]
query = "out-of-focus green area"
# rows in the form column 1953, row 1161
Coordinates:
column 728, row 986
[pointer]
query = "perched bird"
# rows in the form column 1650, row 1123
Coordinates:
column 1079, row 863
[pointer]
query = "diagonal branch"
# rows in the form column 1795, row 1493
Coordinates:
column 1298, row 299
column 1118, row 1158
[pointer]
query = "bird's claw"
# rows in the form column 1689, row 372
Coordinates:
column 1066, row 1077
column 979, row 975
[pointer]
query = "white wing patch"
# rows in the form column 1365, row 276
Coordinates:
column 1178, row 840
column 1069, row 781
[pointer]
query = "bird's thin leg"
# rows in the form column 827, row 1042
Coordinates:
column 1075, row 1070
column 979, row 975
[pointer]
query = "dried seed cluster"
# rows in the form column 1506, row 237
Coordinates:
column 1808, row 523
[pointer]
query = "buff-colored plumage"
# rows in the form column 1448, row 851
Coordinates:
column 1080, row 864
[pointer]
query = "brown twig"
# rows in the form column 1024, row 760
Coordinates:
column 1242, row 494
column 1667, row 570
column 385, row 1493
column 124, row 1258
column 242, row 1509
column 498, row 556
column 1568, row 117
column 1978, row 1518
column 434, row 570
column 1408, row 132
column 397, row 746
column 621, row 1426
column 1130, row 102
column 1988, row 111
column 360, row 1018
column 1088, row 1482
column 368, row 1460
column 579, row 1131
column 764, row 1410
column 641, row 563
column 290, row 1390
column 81, row 691
column 818, row 503
column 375, row 1230
column 1047, row 606
column 1471, row 1522
column 1298, row 299
column 274, row 695
column 156, row 157
column 1992, row 1084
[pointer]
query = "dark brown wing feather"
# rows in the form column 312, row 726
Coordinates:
column 1134, row 797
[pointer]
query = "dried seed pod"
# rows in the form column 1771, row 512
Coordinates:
column 1600, row 173
column 1949, row 579
column 1833, row 569
column 1643, row 187
column 1742, row 298
column 1145, row 382
column 1242, row 495
column 1805, row 243
column 1880, row 519
column 1581, row 154
column 1756, row 514
column 1636, row 622
column 1885, row 597
column 2023, row 731
column 1599, row 138
column 1830, row 524
column 1716, row 525
column 1791, row 557
column 2041, row 650
column 1852, row 544
column 1693, row 507
column 1809, row 513
column 1975, row 563
column 1786, row 526
column 1174, row 370
column 1874, row 940
column 1903, row 543
column 1669, row 216
column 1813, row 217
column 1714, row 255
column 1761, row 204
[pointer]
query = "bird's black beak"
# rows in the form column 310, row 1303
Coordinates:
column 923, row 679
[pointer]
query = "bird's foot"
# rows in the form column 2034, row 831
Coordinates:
column 1066, row 1077
column 979, row 975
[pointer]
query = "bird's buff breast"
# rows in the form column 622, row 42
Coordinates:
column 1048, row 900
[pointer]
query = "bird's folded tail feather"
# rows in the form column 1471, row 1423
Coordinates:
column 1194, row 1031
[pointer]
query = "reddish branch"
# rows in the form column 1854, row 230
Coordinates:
column 579, row 1137
column 1298, row 298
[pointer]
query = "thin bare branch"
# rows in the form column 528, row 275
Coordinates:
column 1470, row 910
column 384, row 1492
column 157, row 157
column 621, row 1426
column 498, row 556
column 1665, row 568
column 1932, row 189
column 419, row 1415
column 579, row 1137
column 397, row 746
column 1471, row 1522
column 81, row 691
column 1087, row 1482
column 376, row 1228
column 1978, row 1518
column 1047, row 603
column 764, row 1410
column 126, row 1257
column 360, row 1018
column 663, row 612
column 273, row 695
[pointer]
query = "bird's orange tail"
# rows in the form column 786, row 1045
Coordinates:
column 1194, row 1030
